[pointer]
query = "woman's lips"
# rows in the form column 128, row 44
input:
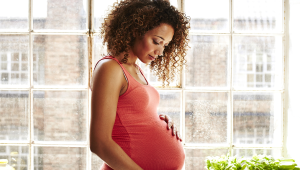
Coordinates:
column 151, row 57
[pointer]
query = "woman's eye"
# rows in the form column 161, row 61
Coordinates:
column 155, row 42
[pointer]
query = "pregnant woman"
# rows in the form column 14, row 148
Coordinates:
column 126, row 131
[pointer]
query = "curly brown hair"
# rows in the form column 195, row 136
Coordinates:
column 130, row 19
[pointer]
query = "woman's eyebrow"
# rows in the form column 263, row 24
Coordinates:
column 160, row 37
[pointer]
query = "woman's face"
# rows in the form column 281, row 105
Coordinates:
column 153, row 43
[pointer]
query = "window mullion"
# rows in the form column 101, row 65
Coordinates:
column 230, row 119
column 30, row 103
column 182, row 83
column 285, row 61
column 64, row 32
column 179, row 4
column 244, row 146
column 90, row 17
column 58, row 144
column 284, row 104
column 7, row 32
column 206, row 147
column 183, row 116
column 235, row 34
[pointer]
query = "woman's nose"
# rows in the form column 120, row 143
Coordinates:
column 158, row 51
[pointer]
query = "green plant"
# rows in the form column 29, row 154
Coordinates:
column 225, row 163
column 257, row 162
column 262, row 162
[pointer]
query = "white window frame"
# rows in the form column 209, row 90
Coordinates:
column 91, row 32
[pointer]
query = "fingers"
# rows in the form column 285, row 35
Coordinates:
column 175, row 132
column 162, row 117
column 170, row 125
column 178, row 136
column 169, row 121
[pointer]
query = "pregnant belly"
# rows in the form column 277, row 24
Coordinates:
column 154, row 147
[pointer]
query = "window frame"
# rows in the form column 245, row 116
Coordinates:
column 91, row 32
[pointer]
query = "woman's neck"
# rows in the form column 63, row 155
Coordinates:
column 131, row 59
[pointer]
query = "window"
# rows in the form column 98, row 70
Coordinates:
column 228, row 99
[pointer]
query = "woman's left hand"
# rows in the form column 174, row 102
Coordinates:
column 171, row 125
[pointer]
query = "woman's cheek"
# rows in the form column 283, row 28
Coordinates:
column 147, row 45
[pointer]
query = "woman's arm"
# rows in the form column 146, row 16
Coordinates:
column 108, row 81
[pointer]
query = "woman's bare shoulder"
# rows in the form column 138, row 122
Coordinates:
column 107, row 65
column 107, row 70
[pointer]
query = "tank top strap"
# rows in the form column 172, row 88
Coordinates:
column 124, row 70
column 108, row 57
column 132, row 83
column 143, row 74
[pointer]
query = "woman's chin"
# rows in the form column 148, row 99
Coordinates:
column 146, row 61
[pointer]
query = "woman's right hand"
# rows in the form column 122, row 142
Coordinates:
column 170, row 125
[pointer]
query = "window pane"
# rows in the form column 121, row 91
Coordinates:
column 195, row 158
column 101, row 9
column 248, row 153
column 14, row 66
column 212, row 15
column 14, row 14
column 174, row 3
column 96, row 162
column 59, row 15
column 14, row 115
column 169, row 104
column 4, row 66
column 257, row 62
column 3, row 57
column 15, row 57
column 24, row 77
column 15, row 77
column 257, row 118
column 4, row 78
column 257, row 16
column 24, row 57
column 100, row 50
column 150, row 76
column 17, row 156
column 60, row 115
column 24, row 67
column 62, row 59
column 12, row 48
column 206, row 117
column 207, row 61
column 59, row 158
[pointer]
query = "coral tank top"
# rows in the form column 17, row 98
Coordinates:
column 140, row 132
